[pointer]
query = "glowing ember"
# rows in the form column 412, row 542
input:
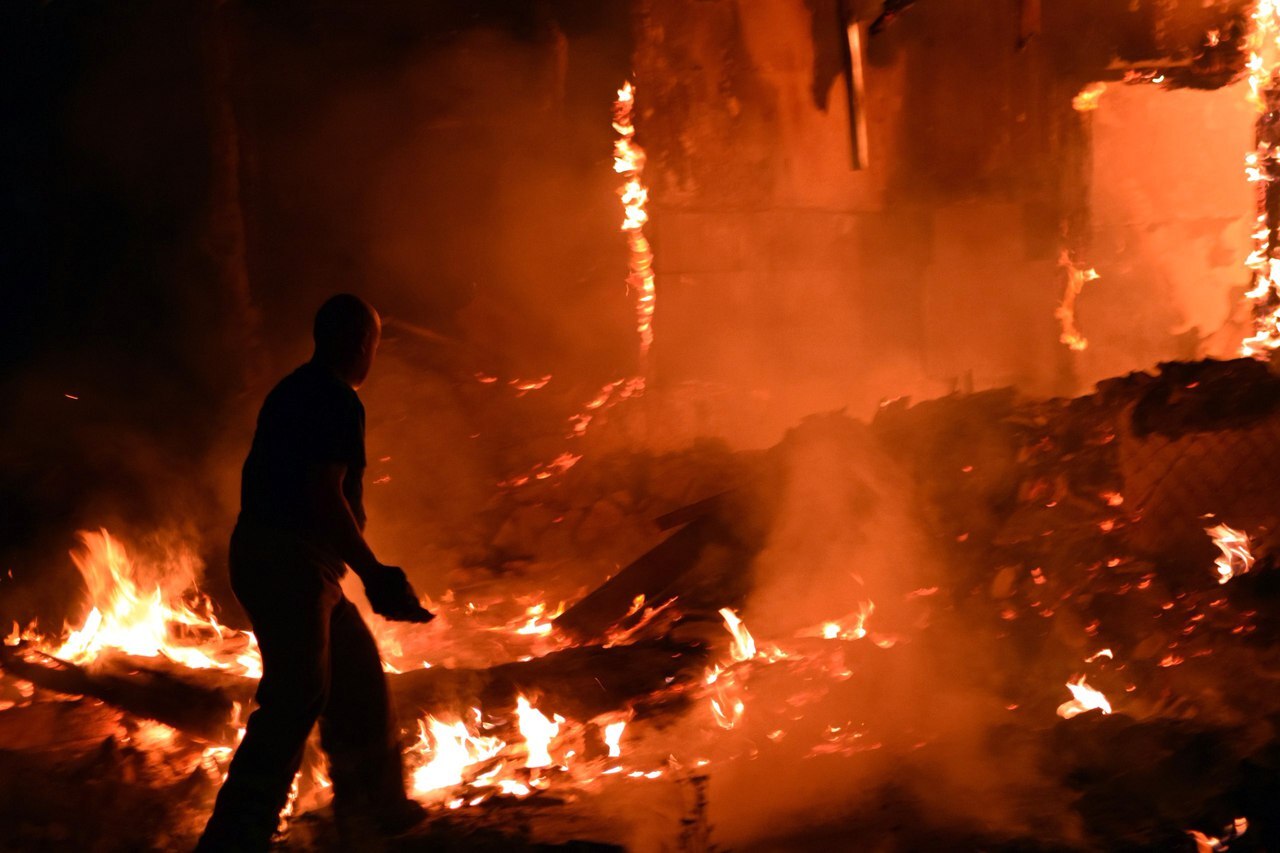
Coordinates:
column 538, row 732
column 1236, row 558
column 610, row 395
column 1086, row 699
column 545, row 470
column 1077, row 278
column 851, row 627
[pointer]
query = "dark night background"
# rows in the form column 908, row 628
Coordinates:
column 185, row 183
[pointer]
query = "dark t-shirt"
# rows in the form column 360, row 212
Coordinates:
column 311, row 418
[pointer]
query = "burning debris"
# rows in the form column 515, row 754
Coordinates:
column 877, row 619
column 656, row 679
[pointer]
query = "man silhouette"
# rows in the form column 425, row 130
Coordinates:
column 301, row 524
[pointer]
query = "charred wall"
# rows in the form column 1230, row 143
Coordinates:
column 790, row 282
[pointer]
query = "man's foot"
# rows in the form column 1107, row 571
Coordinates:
column 362, row 828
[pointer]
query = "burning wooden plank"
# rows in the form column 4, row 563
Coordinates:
column 578, row 682
column 197, row 701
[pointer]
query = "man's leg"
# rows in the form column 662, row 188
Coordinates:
column 357, row 727
column 290, row 611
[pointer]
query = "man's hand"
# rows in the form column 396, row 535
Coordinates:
column 393, row 597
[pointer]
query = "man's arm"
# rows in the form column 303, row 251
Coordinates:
column 386, row 586
column 333, row 515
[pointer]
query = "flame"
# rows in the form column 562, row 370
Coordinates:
column 446, row 751
column 1086, row 699
column 217, row 759
column 851, row 627
column 628, row 161
column 1263, row 44
column 20, row 635
column 1209, row 843
column 1088, row 97
column 744, row 645
column 1077, row 278
column 540, row 623
column 1236, row 558
column 613, row 737
column 139, row 619
column 538, row 732
column 618, row 636
column 727, row 710
column 727, row 706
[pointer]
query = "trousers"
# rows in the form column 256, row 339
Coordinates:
column 319, row 663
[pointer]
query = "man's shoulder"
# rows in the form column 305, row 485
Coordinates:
column 312, row 382
column 307, row 394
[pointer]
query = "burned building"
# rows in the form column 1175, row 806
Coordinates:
column 818, row 424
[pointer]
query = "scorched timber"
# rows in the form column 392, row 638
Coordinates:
column 579, row 683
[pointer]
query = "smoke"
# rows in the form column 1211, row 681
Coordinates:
column 452, row 165
column 907, row 723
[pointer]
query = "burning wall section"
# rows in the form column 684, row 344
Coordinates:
column 794, row 283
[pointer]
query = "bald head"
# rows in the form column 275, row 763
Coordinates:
column 346, row 332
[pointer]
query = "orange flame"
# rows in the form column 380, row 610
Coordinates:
column 1087, row 99
column 628, row 161
column 613, row 737
column 140, row 619
column 1077, row 278
column 1085, row 699
column 1236, row 558
column 1209, row 843
column 851, row 627
column 744, row 645
column 728, row 710
column 540, row 621
column 1263, row 43
column 538, row 732
column 446, row 751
